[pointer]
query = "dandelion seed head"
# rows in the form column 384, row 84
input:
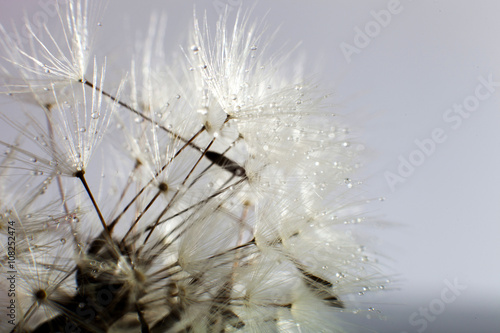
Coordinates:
column 221, row 198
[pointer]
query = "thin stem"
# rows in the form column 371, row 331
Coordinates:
column 81, row 175
column 50, row 129
column 141, row 215
column 152, row 180
column 176, row 193
column 217, row 158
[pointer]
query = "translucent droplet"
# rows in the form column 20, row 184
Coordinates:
column 95, row 115
column 203, row 111
column 82, row 130
column 253, row 48
column 195, row 49
column 63, row 241
column 99, row 24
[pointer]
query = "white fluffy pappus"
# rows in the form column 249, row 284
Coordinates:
column 230, row 206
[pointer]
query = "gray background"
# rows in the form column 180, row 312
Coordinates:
column 443, row 221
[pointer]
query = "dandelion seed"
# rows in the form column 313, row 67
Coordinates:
column 47, row 63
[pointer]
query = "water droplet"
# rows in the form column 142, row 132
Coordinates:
column 177, row 96
column 82, row 130
column 63, row 241
column 195, row 49
column 95, row 115
column 99, row 24
column 203, row 111
column 348, row 182
column 253, row 48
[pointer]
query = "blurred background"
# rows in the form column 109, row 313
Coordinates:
column 420, row 82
